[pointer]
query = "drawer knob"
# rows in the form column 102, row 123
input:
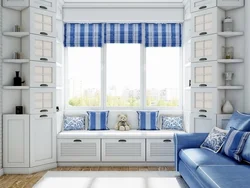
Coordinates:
column 202, row 116
column 203, row 85
column 43, row 59
column 203, row 33
column 44, row 110
column 122, row 140
column 167, row 140
column 44, row 85
column 43, row 33
column 43, row 116
column 203, row 59
column 202, row 111
column 77, row 140
column 202, row 7
column 43, row 7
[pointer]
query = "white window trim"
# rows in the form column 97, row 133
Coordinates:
column 143, row 70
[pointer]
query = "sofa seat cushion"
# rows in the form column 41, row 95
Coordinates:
column 118, row 134
column 224, row 176
column 196, row 157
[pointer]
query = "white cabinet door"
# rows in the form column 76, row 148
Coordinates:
column 207, row 22
column 123, row 150
column 42, row 139
column 207, row 48
column 49, row 5
column 42, row 101
column 202, row 123
column 16, row 3
column 207, row 74
column 230, row 4
column 42, row 22
column 42, row 48
column 160, row 150
column 42, row 74
column 15, row 140
column 78, row 150
column 202, row 4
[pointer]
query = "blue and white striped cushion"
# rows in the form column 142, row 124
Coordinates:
column 98, row 120
column 235, row 143
column 148, row 120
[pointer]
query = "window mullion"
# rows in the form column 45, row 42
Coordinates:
column 104, row 77
column 143, row 78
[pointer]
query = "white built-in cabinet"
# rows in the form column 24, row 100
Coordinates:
column 202, row 123
column 197, row 5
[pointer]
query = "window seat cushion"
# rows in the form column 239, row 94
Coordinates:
column 118, row 134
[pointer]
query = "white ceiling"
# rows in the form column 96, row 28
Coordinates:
column 117, row 1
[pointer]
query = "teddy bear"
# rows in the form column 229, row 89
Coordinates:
column 122, row 124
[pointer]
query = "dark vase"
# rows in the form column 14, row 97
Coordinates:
column 17, row 79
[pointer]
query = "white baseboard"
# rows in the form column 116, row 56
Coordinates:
column 29, row 170
column 1, row 172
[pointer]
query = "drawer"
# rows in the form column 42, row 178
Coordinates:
column 124, row 150
column 207, row 48
column 49, row 5
column 202, row 123
column 78, row 150
column 160, row 150
column 207, row 22
column 197, row 5
column 209, row 74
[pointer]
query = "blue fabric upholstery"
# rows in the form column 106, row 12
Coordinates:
column 239, row 121
column 246, row 151
column 183, row 141
column 148, row 120
column 224, row 176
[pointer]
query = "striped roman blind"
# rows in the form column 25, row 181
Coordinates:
column 163, row 35
column 83, row 35
column 123, row 33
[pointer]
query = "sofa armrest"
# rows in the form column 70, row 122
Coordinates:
column 183, row 141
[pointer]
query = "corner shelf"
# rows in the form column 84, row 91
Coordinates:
column 230, row 61
column 16, row 61
column 15, row 87
column 230, row 34
column 16, row 34
column 230, row 87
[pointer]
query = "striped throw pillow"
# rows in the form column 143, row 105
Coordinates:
column 235, row 143
column 98, row 120
column 147, row 120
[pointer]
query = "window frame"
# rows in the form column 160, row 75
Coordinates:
column 103, row 82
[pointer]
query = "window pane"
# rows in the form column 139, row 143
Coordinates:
column 84, row 76
column 123, row 75
column 162, row 76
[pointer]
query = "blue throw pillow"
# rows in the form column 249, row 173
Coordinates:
column 235, row 143
column 98, row 120
column 246, row 151
column 215, row 140
column 239, row 121
column 74, row 123
column 172, row 122
column 147, row 120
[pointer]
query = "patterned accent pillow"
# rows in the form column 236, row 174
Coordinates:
column 74, row 123
column 235, row 143
column 172, row 123
column 147, row 120
column 215, row 140
column 98, row 120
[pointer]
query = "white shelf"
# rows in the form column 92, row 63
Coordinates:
column 230, row 61
column 15, row 87
column 17, row 61
column 230, row 87
column 16, row 34
column 230, row 34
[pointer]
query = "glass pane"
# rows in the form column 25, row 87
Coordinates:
column 123, row 75
column 84, row 76
column 162, row 76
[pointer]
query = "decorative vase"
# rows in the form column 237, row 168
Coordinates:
column 227, row 108
column 18, row 80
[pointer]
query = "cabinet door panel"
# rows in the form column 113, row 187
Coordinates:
column 49, row 5
column 201, row 123
column 202, row 4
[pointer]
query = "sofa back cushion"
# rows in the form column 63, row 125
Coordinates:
column 98, row 120
column 239, row 121
column 246, row 151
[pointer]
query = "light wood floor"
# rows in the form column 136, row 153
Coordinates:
column 27, row 181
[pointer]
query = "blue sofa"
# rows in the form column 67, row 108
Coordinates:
column 201, row 168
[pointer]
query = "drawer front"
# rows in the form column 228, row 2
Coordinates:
column 42, row 22
column 160, row 150
column 204, row 48
column 202, row 123
column 78, row 150
column 49, row 5
column 43, row 74
column 197, row 5
column 42, row 101
column 123, row 150
column 204, row 100
column 42, row 48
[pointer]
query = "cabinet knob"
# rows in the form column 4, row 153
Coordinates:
column 43, row 7
column 203, row 85
column 122, row 140
column 202, row 116
column 43, row 59
column 203, row 33
column 44, row 110
column 43, row 33
column 203, row 59
column 77, row 140
column 202, row 7
column 167, row 140
column 44, row 85
column 43, row 116
column 202, row 111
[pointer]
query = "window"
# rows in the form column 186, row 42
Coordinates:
column 123, row 75
column 84, row 76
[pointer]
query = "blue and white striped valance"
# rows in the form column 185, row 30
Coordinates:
column 83, row 35
column 123, row 33
column 163, row 35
